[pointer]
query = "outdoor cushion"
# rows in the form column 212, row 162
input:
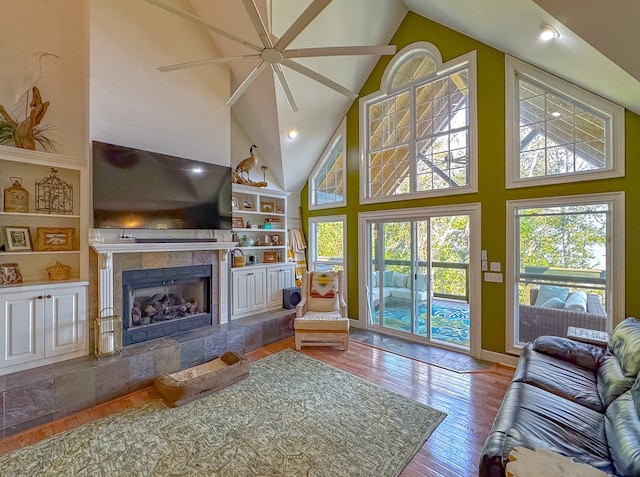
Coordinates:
column 421, row 283
column 400, row 280
column 554, row 302
column 405, row 294
column 388, row 279
column 550, row 291
column 577, row 301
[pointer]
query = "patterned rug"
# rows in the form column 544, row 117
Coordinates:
column 293, row 416
column 447, row 324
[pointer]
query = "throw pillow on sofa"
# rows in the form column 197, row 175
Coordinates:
column 547, row 292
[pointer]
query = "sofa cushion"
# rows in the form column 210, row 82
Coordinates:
column 550, row 291
column 532, row 417
column 577, row 302
column 388, row 279
column 625, row 345
column 612, row 382
column 622, row 426
column 405, row 294
column 582, row 354
column 374, row 279
column 559, row 377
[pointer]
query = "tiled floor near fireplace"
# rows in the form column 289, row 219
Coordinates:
column 40, row 395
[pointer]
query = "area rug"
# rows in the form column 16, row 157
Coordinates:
column 293, row 416
column 448, row 325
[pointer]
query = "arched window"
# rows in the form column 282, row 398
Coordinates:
column 418, row 132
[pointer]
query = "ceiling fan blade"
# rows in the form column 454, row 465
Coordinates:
column 340, row 51
column 201, row 22
column 258, row 24
column 301, row 23
column 319, row 78
column 245, row 84
column 282, row 81
column 192, row 64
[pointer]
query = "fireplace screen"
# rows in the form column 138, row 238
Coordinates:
column 163, row 301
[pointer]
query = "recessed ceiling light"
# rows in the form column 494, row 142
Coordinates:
column 555, row 114
column 292, row 134
column 547, row 32
column 197, row 170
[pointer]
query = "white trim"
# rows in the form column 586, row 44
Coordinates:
column 419, row 48
column 420, row 213
column 468, row 60
column 340, row 133
column 501, row 358
column 615, row 286
column 615, row 150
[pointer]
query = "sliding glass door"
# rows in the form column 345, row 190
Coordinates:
column 418, row 277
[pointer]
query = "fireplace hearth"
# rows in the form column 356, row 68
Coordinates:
column 164, row 301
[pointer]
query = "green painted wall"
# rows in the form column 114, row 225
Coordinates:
column 491, row 175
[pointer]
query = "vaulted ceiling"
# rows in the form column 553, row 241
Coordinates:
column 592, row 52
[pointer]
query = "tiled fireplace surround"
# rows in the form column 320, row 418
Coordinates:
column 40, row 395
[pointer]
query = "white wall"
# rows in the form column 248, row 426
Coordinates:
column 29, row 26
column 180, row 113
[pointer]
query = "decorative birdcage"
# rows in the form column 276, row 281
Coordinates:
column 53, row 195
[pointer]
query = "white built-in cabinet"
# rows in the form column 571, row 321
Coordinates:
column 43, row 313
column 278, row 278
column 258, row 288
column 41, row 324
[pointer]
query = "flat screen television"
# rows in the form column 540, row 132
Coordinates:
column 136, row 189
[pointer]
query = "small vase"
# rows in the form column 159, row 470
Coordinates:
column 16, row 197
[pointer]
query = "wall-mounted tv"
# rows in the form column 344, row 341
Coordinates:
column 136, row 189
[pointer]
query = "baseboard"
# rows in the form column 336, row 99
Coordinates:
column 506, row 359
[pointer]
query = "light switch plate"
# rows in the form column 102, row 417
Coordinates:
column 495, row 266
column 484, row 266
column 493, row 277
column 484, row 255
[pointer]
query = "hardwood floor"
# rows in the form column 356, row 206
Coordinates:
column 470, row 400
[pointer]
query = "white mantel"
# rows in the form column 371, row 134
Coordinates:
column 125, row 247
column 106, row 250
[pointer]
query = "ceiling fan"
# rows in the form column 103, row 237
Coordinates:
column 276, row 55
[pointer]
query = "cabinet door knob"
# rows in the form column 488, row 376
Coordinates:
column 48, row 296
column 39, row 297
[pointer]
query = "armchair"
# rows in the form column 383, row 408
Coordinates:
column 321, row 316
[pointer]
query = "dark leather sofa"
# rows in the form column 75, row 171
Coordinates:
column 576, row 399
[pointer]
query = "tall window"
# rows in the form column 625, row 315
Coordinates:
column 557, row 132
column 566, row 260
column 327, row 187
column 328, row 244
column 418, row 132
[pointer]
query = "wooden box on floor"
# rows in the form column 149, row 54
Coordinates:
column 189, row 384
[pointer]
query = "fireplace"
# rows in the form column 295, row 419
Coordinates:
column 163, row 301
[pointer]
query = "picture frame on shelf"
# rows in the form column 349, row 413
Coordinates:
column 247, row 203
column 235, row 203
column 270, row 257
column 10, row 274
column 237, row 222
column 274, row 240
column 267, row 207
column 55, row 238
column 279, row 210
column 16, row 239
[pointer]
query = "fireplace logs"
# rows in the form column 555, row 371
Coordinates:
column 161, row 307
